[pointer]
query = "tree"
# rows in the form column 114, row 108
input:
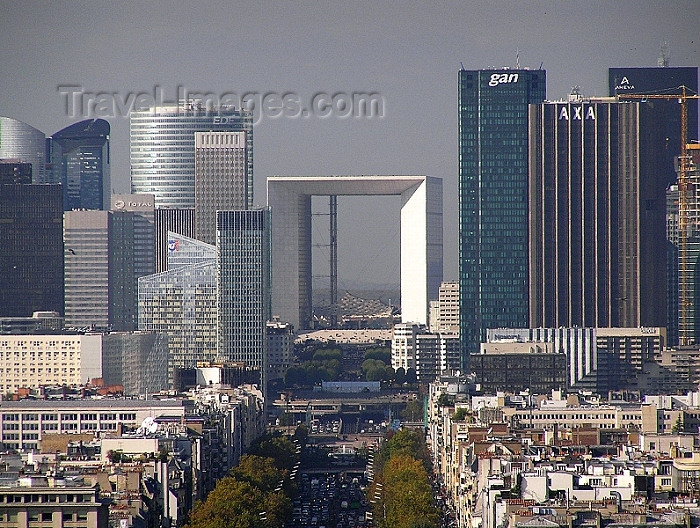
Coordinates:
column 382, row 354
column 400, row 375
column 444, row 400
column 234, row 504
column 261, row 472
column 407, row 498
column 281, row 449
column 413, row 412
column 460, row 414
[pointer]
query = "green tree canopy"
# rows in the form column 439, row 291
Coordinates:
column 259, row 471
column 382, row 354
column 235, row 504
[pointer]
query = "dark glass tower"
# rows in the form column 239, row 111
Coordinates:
column 597, row 210
column 493, row 200
column 31, row 249
column 665, row 81
column 80, row 161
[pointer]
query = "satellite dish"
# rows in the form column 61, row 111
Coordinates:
column 149, row 425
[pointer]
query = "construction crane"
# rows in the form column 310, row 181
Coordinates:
column 684, row 187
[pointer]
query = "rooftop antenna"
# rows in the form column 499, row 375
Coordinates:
column 461, row 65
column 517, row 58
column 664, row 55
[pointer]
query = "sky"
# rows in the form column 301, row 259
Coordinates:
column 407, row 53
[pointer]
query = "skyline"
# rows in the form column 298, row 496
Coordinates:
column 408, row 56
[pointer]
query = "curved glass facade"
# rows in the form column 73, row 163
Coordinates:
column 162, row 150
column 23, row 142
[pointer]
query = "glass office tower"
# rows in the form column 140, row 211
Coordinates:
column 162, row 150
column 493, row 175
column 80, row 161
column 243, row 278
column 23, row 143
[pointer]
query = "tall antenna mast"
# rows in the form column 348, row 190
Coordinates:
column 664, row 55
column 517, row 58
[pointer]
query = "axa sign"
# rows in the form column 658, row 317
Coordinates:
column 503, row 78
column 576, row 113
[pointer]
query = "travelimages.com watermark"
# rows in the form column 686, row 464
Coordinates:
column 79, row 102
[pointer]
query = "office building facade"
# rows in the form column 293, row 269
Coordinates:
column 162, row 149
column 662, row 81
column 597, row 215
column 24, row 143
column 79, row 160
column 105, row 254
column 31, row 361
column 179, row 221
column 493, row 169
column 597, row 359
column 14, row 171
column 31, row 258
column 244, row 302
column 220, row 178
column 181, row 302
column 138, row 361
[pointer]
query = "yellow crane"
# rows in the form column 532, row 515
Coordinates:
column 684, row 187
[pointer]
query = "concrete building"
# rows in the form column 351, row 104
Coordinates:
column 181, row 302
column 597, row 230
column 79, row 160
column 162, row 149
column 29, row 361
column 280, row 349
column 26, row 422
column 106, row 252
column 421, row 238
column 448, row 308
column 243, row 285
column 493, row 193
column 403, row 343
column 31, row 258
column 598, row 359
column 24, row 143
column 220, row 178
column 513, row 367
column 52, row 502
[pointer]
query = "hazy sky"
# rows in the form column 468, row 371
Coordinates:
column 409, row 52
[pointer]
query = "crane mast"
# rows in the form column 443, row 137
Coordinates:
column 685, row 188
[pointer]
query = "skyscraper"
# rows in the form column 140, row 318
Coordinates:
column 80, row 161
column 31, row 249
column 597, row 214
column 15, row 172
column 243, row 285
column 655, row 81
column 162, row 149
column 221, row 178
column 493, row 253
column 179, row 221
column 24, row 143
column 106, row 252
column 182, row 302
